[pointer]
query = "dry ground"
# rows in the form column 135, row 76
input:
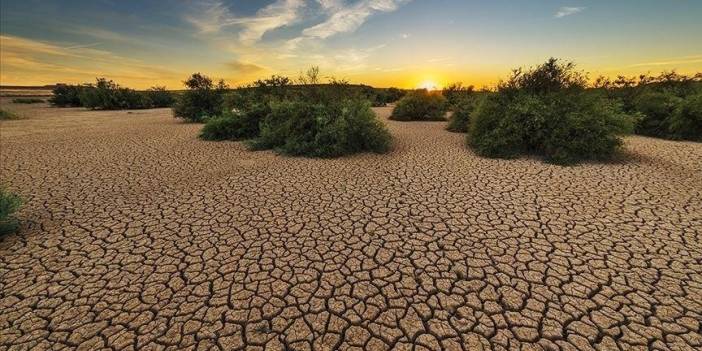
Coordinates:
column 137, row 235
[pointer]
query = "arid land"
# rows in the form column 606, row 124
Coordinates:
column 137, row 235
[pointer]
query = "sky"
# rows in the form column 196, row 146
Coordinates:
column 402, row 43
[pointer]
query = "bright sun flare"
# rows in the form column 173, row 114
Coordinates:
column 429, row 85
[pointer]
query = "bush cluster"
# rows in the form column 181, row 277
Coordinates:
column 420, row 105
column 107, row 95
column 9, row 204
column 311, row 119
column 305, row 128
column 27, row 101
column 664, row 102
column 66, row 95
column 202, row 99
column 462, row 109
column 547, row 111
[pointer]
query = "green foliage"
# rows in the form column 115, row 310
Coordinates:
column 686, row 120
column 8, row 115
column 236, row 125
column 27, row 101
column 108, row 95
column 462, row 109
column 656, row 109
column 456, row 93
column 305, row 128
column 656, row 99
column 66, row 95
column 546, row 111
column 9, row 204
column 160, row 97
column 420, row 105
column 393, row 94
column 202, row 99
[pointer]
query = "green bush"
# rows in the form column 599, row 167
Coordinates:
column 420, row 105
column 456, row 93
column 108, row 95
column 235, row 125
column 202, row 99
column 305, row 128
column 656, row 109
column 458, row 123
column 9, row 204
column 27, row 101
column 686, row 120
column 546, row 111
column 393, row 94
column 8, row 115
column 160, row 97
column 66, row 95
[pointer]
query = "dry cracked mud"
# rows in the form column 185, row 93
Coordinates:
column 137, row 235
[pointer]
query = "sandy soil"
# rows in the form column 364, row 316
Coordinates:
column 137, row 235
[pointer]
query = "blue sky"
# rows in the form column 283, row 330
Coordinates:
column 378, row 42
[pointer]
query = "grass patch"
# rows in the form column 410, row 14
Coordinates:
column 27, row 101
column 6, row 115
column 9, row 204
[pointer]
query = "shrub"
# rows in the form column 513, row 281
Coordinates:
column 686, row 120
column 160, row 97
column 9, row 204
column 305, row 128
column 66, row 95
column 108, row 95
column 456, row 93
column 420, row 105
column 201, row 100
column 27, row 101
column 8, row 115
column 458, row 123
column 235, row 125
column 546, row 111
column 656, row 109
column 393, row 94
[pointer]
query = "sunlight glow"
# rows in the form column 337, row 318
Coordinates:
column 429, row 85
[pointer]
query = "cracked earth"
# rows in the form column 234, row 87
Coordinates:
column 137, row 235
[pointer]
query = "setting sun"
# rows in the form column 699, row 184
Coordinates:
column 429, row 85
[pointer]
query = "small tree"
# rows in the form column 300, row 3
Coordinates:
column 202, row 99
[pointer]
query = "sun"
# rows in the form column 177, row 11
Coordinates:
column 429, row 85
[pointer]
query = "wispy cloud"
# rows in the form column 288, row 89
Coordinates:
column 244, row 68
column 348, row 17
column 568, row 11
column 686, row 60
column 28, row 58
column 215, row 15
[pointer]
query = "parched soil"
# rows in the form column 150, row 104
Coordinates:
column 137, row 235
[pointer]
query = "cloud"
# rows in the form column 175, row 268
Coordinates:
column 24, row 60
column 567, row 11
column 686, row 60
column 244, row 67
column 347, row 18
column 214, row 16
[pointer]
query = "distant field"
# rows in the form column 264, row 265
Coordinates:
column 23, row 91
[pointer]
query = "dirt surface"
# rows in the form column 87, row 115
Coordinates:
column 137, row 235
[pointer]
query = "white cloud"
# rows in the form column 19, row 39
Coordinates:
column 347, row 18
column 214, row 16
column 567, row 11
